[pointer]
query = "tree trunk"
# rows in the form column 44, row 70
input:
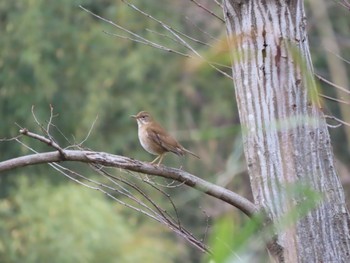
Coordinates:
column 285, row 135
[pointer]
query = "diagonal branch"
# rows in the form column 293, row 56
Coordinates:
column 130, row 164
column 207, row 10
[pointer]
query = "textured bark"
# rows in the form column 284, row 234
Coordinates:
column 117, row 161
column 285, row 134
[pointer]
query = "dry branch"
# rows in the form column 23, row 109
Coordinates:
column 126, row 163
column 111, row 160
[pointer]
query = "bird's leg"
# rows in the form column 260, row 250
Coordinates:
column 156, row 159
column 160, row 159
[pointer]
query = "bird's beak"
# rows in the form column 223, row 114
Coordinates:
column 133, row 116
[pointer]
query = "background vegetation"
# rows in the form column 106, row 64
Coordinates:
column 52, row 52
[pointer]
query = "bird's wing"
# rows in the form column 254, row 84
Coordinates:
column 165, row 140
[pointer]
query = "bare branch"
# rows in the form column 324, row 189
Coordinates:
column 344, row 3
column 177, row 36
column 61, row 133
column 89, row 132
column 35, row 119
column 332, row 84
column 161, row 214
column 159, row 217
column 219, row 4
column 149, row 43
column 49, row 142
column 206, row 227
column 139, row 39
column 337, row 119
column 338, row 56
column 130, row 164
column 207, row 10
column 175, row 40
column 49, row 123
column 50, row 120
column 200, row 29
column 334, row 126
column 10, row 139
column 334, row 99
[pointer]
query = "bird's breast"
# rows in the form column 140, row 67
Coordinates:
column 149, row 145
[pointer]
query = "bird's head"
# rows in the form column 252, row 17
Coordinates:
column 142, row 118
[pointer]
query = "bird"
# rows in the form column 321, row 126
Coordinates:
column 155, row 139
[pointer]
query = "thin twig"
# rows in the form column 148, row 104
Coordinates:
column 43, row 139
column 175, row 34
column 10, row 139
column 219, row 4
column 332, row 84
column 148, row 43
column 62, row 134
column 170, row 185
column 125, row 191
column 207, row 10
column 61, row 169
column 334, row 99
column 49, row 122
column 37, row 121
column 57, row 166
column 200, row 29
column 170, row 200
column 337, row 119
column 156, row 45
column 175, row 40
column 190, row 38
column 345, row 4
column 89, row 132
column 140, row 38
column 155, row 186
column 207, row 226
column 338, row 56
column 47, row 130
column 334, row 126
column 162, row 214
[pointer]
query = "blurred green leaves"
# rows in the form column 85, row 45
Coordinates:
column 67, row 223
column 232, row 241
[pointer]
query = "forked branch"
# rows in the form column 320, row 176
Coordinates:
column 111, row 160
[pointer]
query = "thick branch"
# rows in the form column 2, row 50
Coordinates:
column 134, row 165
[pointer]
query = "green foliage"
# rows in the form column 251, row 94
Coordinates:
column 40, row 222
column 231, row 241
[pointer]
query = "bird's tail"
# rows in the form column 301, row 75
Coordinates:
column 195, row 155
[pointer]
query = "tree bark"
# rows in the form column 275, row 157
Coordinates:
column 111, row 160
column 286, row 140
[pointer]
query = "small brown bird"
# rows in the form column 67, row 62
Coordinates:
column 155, row 139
